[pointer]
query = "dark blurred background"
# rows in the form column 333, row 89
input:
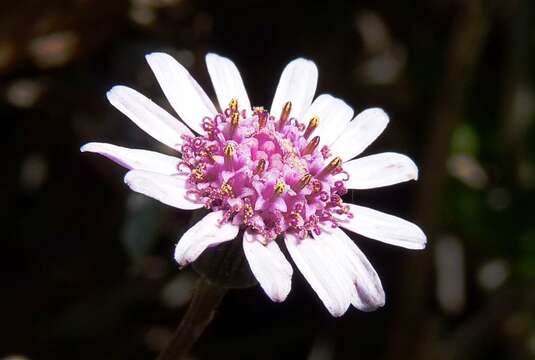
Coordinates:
column 86, row 266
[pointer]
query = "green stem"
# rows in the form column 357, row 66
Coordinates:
column 198, row 316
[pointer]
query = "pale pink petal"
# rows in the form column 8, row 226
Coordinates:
column 168, row 189
column 368, row 294
column 269, row 266
column 135, row 159
column 184, row 93
column 379, row 170
column 227, row 82
column 207, row 232
column 151, row 118
column 334, row 115
column 383, row 227
column 297, row 84
column 320, row 266
column 360, row 133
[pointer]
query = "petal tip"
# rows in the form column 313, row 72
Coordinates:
column 155, row 56
column 337, row 312
column 211, row 55
column 114, row 92
column 278, row 298
column 85, row 147
column 128, row 178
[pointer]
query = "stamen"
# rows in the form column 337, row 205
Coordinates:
column 285, row 114
column 311, row 146
column 234, row 120
column 208, row 154
column 262, row 116
column 331, row 167
column 280, row 187
column 312, row 125
column 304, row 181
column 198, row 174
column 260, row 167
column 316, row 186
column 233, row 105
column 229, row 152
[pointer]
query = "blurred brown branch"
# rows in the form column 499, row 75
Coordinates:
column 469, row 34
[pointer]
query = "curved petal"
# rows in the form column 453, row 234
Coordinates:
column 184, row 93
column 369, row 294
column 383, row 227
column 319, row 265
column 135, row 159
column 151, row 118
column 297, row 84
column 269, row 266
column 334, row 115
column 379, row 170
column 168, row 189
column 207, row 232
column 227, row 82
column 360, row 133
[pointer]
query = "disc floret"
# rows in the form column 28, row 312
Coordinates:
column 264, row 172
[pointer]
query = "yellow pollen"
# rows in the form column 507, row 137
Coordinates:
column 312, row 125
column 229, row 150
column 248, row 211
column 304, row 181
column 226, row 189
column 311, row 146
column 285, row 114
column 233, row 105
column 297, row 216
column 332, row 166
column 336, row 162
column 198, row 173
column 208, row 154
column 260, row 167
column 262, row 117
column 280, row 187
column 235, row 119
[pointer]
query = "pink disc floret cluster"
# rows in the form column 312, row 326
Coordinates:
column 265, row 172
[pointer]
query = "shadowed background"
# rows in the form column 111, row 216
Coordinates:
column 87, row 269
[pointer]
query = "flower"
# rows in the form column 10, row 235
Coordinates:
column 275, row 174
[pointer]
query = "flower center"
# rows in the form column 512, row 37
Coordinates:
column 264, row 172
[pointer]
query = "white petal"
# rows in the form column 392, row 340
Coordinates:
column 207, row 232
column 184, row 93
column 227, row 82
column 369, row 294
column 135, row 159
column 383, row 227
column 334, row 115
column 360, row 133
column 319, row 265
column 379, row 170
column 269, row 266
column 298, row 85
column 168, row 189
column 151, row 118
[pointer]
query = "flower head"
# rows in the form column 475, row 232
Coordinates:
column 278, row 173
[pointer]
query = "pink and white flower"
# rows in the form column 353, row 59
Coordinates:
column 275, row 174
